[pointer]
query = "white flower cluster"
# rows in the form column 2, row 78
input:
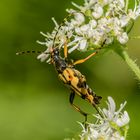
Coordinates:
column 95, row 23
column 113, row 126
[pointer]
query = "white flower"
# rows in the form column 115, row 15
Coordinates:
column 79, row 17
column 119, row 3
column 124, row 20
column 138, row 11
column 84, row 28
column 123, row 120
column 123, row 38
column 79, row 43
column 82, row 44
column 43, row 57
column 134, row 13
column 98, row 11
column 93, row 24
column 109, row 40
column 108, row 127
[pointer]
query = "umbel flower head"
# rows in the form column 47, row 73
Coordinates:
column 112, row 126
column 93, row 24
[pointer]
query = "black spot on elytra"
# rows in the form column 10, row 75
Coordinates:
column 68, row 82
column 81, row 84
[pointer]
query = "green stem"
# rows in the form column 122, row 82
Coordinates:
column 126, row 5
column 126, row 131
column 120, row 50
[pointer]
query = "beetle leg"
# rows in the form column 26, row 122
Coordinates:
column 85, row 59
column 65, row 50
column 98, row 111
column 71, row 99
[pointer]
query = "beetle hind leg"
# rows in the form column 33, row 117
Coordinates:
column 71, row 99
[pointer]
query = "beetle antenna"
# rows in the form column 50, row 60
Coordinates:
column 28, row 52
column 61, row 24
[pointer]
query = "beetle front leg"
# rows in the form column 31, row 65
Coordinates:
column 65, row 50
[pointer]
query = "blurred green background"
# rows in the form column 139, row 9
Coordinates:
column 33, row 102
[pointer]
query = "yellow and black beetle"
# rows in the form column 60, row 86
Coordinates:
column 72, row 77
column 75, row 80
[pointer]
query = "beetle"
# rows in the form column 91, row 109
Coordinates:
column 70, row 76
column 73, row 78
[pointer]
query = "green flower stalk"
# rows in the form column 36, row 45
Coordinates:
column 95, row 24
column 124, row 55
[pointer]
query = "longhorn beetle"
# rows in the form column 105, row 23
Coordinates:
column 72, row 77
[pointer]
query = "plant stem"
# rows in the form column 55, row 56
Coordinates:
column 120, row 50
column 126, row 5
